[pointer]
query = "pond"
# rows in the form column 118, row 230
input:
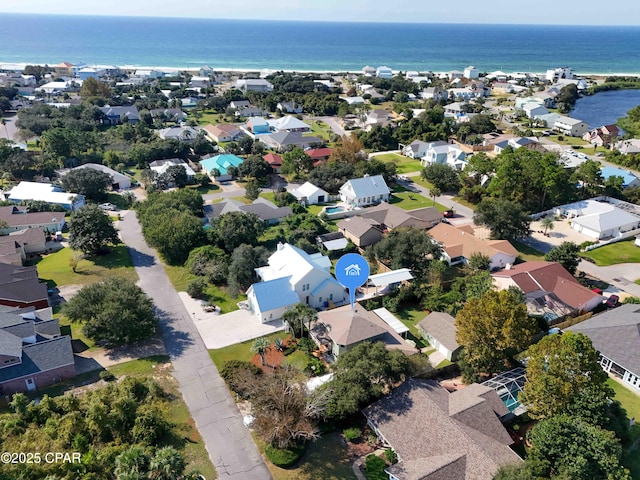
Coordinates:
column 605, row 108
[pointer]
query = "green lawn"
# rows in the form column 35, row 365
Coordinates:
column 55, row 267
column 325, row 458
column 410, row 317
column 211, row 188
column 612, row 254
column 569, row 141
column 239, row 351
column 211, row 117
column 631, row 403
column 75, row 330
column 297, row 360
column 321, row 129
column 411, row 201
column 403, row 164
column 526, row 252
column 180, row 277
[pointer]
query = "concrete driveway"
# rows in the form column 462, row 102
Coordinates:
column 219, row 331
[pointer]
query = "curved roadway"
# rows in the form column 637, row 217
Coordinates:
column 229, row 443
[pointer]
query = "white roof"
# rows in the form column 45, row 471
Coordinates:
column 161, row 166
column 287, row 123
column 315, row 382
column 307, row 189
column 387, row 278
column 337, row 244
column 290, row 261
column 40, row 191
column 390, row 319
column 368, row 186
column 568, row 120
column 607, row 220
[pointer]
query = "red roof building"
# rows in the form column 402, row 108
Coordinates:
column 274, row 160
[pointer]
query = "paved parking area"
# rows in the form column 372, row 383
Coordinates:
column 218, row 331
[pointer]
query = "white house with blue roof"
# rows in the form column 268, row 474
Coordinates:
column 293, row 276
column 359, row 192
column 628, row 178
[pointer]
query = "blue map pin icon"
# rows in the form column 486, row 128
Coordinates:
column 352, row 271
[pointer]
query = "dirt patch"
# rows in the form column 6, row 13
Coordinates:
column 273, row 358
column 359, row 448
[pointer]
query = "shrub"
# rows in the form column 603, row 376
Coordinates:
column 375, row 468
column 196, row 288
column 284, row 458
column 315, row 367
column 107, row 376
column 351, row 434
column 307, row 345
column 391, row 456
column 586, row 244
column 239, row 375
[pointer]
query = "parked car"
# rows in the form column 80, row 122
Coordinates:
column 448, row 214
column 108, row 206
column 612, row 301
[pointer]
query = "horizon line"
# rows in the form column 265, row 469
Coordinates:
column 403, row 22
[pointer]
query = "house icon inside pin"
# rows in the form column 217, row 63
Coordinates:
column 352, row 270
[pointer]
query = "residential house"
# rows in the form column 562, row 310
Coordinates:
column 353, row 100
column 332, row 241
column 368, row 227
column 454, row 109
column 15, row 247
column 319, row 155
column 161, row 166
column 384, row 72
column 572, row 127
column 283, row 140
column 182, row 134
column 33, row 351
column 168, row 114
column 20, row 287
column 629, row 180
column 116, row 115
column 368, row 71
column 240, row 104
column 293, row 276
column 555, row 74
column 200, row 82
column 288, row 124
column 446, row 153
column 258, row 125
column 599, row 219
column 289, row 107
column 310, row 194
column 418, row 148
column 464, row 94
column 519, row 142
column 459, row 244
column 533, row 110
column 471, row 72
column 52, row 88
column 465, row 438
column 550, row 291
column 119, row 181
column 378, row 117
column 340, row 329
column 90, row 72
column 205, row 71
column 266, row 210
column 360, row 192
column 437, row 93
column 223, row 163
column 63, row 69
column 501, row 87
column 223, row 132
column 17, row 218
column 254, row 85
column 602, row 136
column 274, row 160
column 615, row 334
column 146, row 74
column 45, row 192
column 439, row 329
column 627, row 147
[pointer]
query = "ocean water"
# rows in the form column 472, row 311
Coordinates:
column 605, row 108
column 245, row 45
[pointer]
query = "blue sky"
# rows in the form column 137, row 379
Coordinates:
column 563, row 12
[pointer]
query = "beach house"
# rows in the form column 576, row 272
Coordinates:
column 221, row 167
column 360, row 192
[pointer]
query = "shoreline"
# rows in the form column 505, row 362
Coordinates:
column 240, row 70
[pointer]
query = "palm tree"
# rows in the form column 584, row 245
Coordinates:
column 260, row 346
column 300, row 314
column 166, row 464
column 547, row 223
column 131, row 464
column 435, row 192
column 3, row 122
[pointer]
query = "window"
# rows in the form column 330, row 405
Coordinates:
column 331, row 297
column 320, row 299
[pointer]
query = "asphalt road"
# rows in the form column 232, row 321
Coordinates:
column 8, row 130
column 229, row 443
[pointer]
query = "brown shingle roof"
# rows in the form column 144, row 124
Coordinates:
column 458, row 242
column 431, row 443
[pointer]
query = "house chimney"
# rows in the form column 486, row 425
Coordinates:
column 507, row 266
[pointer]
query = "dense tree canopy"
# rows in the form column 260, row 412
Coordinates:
column 363, row 375
column 442, row 176
column 567, row 255
column 91, row 183
column 232, row 229
column 115, row 311
column 492, row 329
column 407, row 248
column 91, row 230
column 506, row 219
column 560, row 369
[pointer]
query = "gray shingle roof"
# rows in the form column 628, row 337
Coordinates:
column 10, row 345
column 442, row 327
column 41, row 357
column 616, row 334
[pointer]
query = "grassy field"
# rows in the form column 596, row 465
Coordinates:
column 211, row 117
column 411, row 201
column 321, row 129
column 526, row 252
column 410, row 317
column 180, row 278
column 403, row 164
column 325, row 458
column 631, row 403
column 619, row 252
column 55, row 267
column 239, row 351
